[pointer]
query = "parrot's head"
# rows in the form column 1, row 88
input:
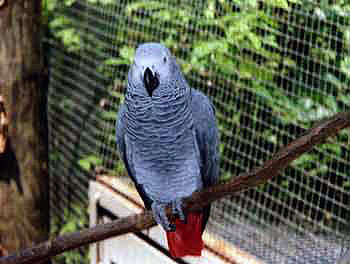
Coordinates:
column 154, row 71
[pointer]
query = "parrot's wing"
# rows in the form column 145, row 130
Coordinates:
column 124, row 151
column 207, row 137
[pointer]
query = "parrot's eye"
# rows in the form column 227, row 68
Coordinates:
column 164, row 59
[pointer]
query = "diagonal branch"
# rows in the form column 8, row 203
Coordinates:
column 269, row 169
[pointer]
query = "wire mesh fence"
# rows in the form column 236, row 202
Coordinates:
column 271, row 68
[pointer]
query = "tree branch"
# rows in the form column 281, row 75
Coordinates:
column 269, row 169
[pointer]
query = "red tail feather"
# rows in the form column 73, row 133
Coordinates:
column 186, row 240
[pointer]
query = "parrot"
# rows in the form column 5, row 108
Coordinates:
column 167, row 138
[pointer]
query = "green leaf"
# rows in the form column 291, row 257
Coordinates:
column 116, row 61
column 50, row 5
column 210, row 11
column 345, row 66
column 333, row 80
column 285, row 184
column 116, row 94
column 347, row 37
column 331, row 104
column 333, row 148
column 247, row 70
column 86, row 163
column 252, row 3
column 69, row 3
column 163, row 15
column 221, row 147
column 103, row 2
column 289, row 62
column 339, row 10
column 304, row 160
column 107, row 2
column 271, row 137
column 322, row 169
column 236, row 32
column 127, row 53
column 345, row 98
column 144, row 5
column 270, row 40
column 278, row 3
column 255, row 40
column 263, row 92
column 59, row 22
column 346, row 184
column 206, row 50
column 119, row 168
column 225, row 64
column 70, row 38
column 225, row 177
column 68, row 228
column 109, row 115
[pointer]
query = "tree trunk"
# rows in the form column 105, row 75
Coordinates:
column 23, row 164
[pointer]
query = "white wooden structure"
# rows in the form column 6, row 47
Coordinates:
column 111, row 198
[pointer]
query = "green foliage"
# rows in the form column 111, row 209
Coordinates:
column 65, row 28
column 61, row 26
column 89, row 162
column 119, row 168
column 74, row 219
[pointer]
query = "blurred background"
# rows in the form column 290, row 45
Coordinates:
column 271, row 67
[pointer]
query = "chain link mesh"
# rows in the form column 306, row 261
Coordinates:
column 271, row 68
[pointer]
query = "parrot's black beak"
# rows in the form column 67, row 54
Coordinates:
column 150, row 80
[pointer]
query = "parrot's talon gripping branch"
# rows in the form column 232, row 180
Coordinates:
column 159, row 213
column 177, row 209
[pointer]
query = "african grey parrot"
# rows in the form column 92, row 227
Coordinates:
column 168, row 139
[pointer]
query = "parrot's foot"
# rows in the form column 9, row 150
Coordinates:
column 177, row 209
column 158, row 210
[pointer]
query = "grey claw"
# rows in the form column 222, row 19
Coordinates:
column 177, row 209
column 158, row 210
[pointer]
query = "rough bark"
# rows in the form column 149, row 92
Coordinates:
column 23, row 164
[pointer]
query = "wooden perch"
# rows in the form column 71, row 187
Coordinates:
column 3, row 126
column 269, row 169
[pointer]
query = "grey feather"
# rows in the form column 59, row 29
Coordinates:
column 207, row 137
column 120, row 132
